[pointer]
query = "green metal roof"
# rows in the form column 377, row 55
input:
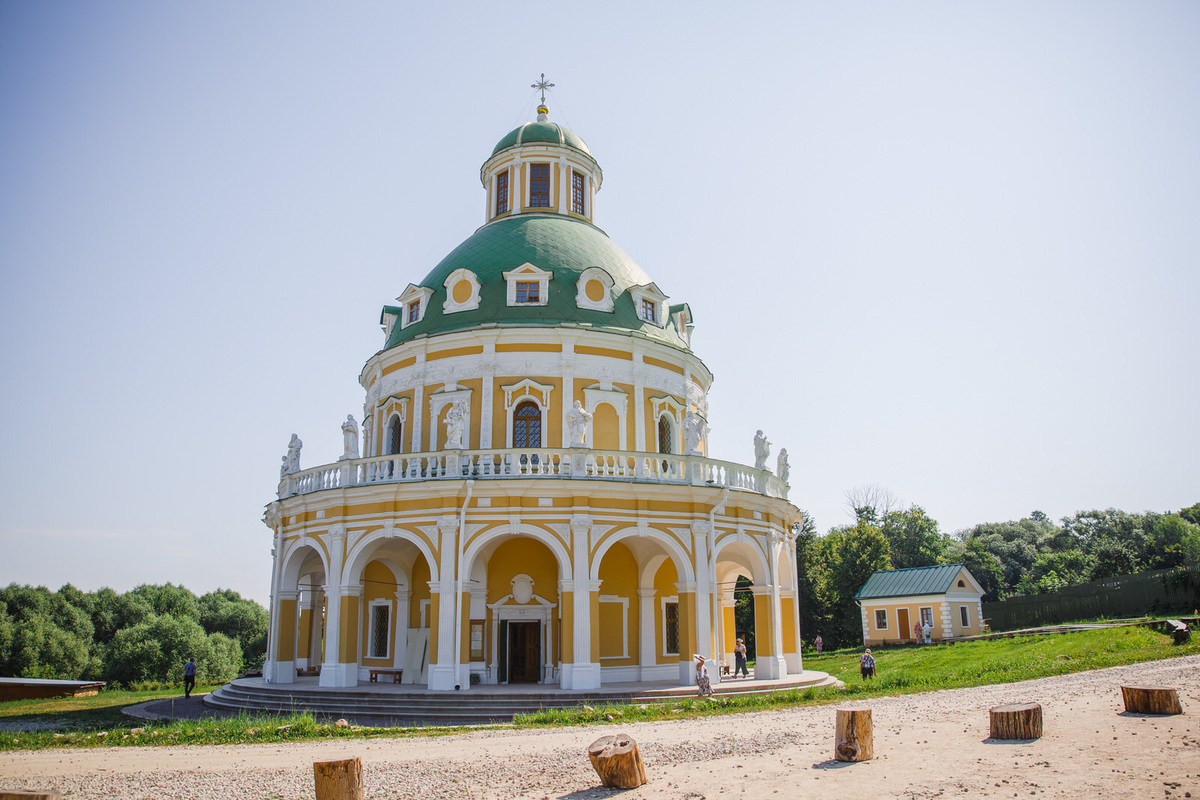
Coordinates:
column 906, row 582
column 558, row 244
column 541, row 132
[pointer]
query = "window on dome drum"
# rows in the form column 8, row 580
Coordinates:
column 379, row 631
column 528, row 291
column 539, row 185
column 414, row 311
column 393, row 436
column 502, row 193
column 649, row 311
column 881, row 619
column 671, row 628
column 666, row 435
column 527, row 425
column 576, row 193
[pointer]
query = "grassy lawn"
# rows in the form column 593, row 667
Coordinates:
column 97, row 721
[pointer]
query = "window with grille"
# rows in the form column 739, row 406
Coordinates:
column 379, row 631
column 539, row 185
column 650, row 311
column 393, row 437
column 502, row 193
column 576, row 193
column 881, row 619
column 671, row 628
column 666, row 435
column 414, row 311
column 527, row 425
column 528, row 291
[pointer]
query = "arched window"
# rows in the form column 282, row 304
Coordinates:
column 666, row 435
column 527, row 425
column 393, row 436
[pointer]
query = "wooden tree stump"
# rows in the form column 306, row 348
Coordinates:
column 854, row 735
column 1016, row 721
column 1151, row 700
column 339, row 780
column 53, row 794
column 618, row 761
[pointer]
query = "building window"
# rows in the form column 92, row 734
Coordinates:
column 881, row 619
column 414, row 311
column 576, row 193
column 527, row 425
column 927, row 616
column 649, row 309
column 502, row 193
column 666, row 435
column 671, row 629
column 539, row 185
column 379, row 630
column 528, row 291
column 964, row 616
column 393, row 436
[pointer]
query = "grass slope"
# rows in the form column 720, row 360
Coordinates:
column 97, row 721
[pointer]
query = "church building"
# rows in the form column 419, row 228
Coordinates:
column 534, row 499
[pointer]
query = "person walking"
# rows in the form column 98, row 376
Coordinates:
column 866, row 665
column 739, row 659
column 189, row 677
column 818, row 642
column 927, row 628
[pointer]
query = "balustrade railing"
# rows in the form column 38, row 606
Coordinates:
column 533, row 463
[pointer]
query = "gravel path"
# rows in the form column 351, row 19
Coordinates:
column 931, row 745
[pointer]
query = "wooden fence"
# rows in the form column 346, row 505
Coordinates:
column 1161, row 591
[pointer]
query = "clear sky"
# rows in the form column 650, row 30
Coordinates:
column 948, row 248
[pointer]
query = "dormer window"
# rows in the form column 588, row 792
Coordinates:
column 539, row 185
column 414, row 302
column 528, row 285
column 649, row 307
column 650, row 304
column 502, row 193
column 577, row 184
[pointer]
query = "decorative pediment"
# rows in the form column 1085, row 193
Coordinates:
column 462, row 292
column 593, row 290
column 413, row 304
column 528, row 285
column 650, row 304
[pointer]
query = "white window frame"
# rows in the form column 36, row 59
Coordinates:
column 650, row 292
column 392, row 407
column 528, row 273
column 594, row 397
column 964, row 615
column 878, row 612
column 414, row 294
column 387, row 645
column 664, row 602
column 921, row 615
column 450, row 305
column 423, row 610
column 514, row 394
column 583, row 301
column 624, row 601
column 675, row 410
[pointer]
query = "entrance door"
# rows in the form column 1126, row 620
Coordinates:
column 524, row 651
column 902, row 621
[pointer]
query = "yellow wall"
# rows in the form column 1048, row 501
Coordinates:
column 420, row 591
column 664, row 586
column 567, row 625
column 304, row 639
column 285, row 643
column 730, row 629
column 762, row 628
column 787, row 615
column 687, row 625
column 513, row 557
column 618, row 576
column 378, row 584
column 606, row 428
column 348, row 650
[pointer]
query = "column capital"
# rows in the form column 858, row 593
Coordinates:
column 447, row 524
column 351, row 590
column 337, row 532
column 566, row 586
column 580, row 523
column 287, row 594
column 647, row 594
column 684, row 587
column 757, row 590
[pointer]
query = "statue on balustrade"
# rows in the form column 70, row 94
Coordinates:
column 782, row 468
column 762, row 449
column 694, row 430
column 349, row 438
column 455, row 420
column 577, row 424
column 292, row 459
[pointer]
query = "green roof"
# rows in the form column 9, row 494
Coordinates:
column 541, row 132
column 908, row 582
column 562, row 245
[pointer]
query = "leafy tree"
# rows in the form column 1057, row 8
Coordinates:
column 1053, row 571
column 1191, row 514
column 1016, row 545
column 850, row 554
column 225, row 611
column 1167, row 539
column 810, row 579
column 1112, row 557
column 983, row 565
column 870, row 503
column 913, row 538
column 170, row 599
column 158, row 649
column 111, row 612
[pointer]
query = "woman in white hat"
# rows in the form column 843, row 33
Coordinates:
column 703, row 684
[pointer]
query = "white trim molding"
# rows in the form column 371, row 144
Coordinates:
column 452, row 306
column 413, row 294
column 528, row 273
column 605, row 303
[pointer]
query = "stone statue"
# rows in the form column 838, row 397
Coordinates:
column 283, row 470
column 762, row 449
column 350, row 437
column 782, row 468
column 577, row 424
column 455, row 419
column 694, row 429
column 292, row 459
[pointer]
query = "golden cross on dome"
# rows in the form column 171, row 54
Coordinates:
column 542, row 84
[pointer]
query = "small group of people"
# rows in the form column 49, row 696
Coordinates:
column 921, row 631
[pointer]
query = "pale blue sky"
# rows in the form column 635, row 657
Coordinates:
column 947, row 248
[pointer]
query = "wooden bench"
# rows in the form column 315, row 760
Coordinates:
column 302, row 672
column 395, row 673
column 1179, row 629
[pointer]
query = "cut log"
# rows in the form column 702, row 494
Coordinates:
column 1016, row 721
column 339, row 780
column 53, row 794
column 1151, row 700
column 1179, row 629
column 618, row 761
column 854, row 735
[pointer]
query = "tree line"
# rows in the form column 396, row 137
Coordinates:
column 145, row 634
column 1027, row 556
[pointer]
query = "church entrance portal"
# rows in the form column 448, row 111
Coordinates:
column 524, row 651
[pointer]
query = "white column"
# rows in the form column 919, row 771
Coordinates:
column 418, row 405
column 795, row 661
column 401, row 626
column 584, row 671
column 444, row 674
column 485, row 397
column 704, row 600
column 564, row 198
column 335, row 542
column 270, row 672
column 647, row 652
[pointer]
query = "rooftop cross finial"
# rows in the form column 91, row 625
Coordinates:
column 542, row 84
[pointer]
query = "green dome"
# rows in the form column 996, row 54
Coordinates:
column 541, row 132
column 561, row 245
